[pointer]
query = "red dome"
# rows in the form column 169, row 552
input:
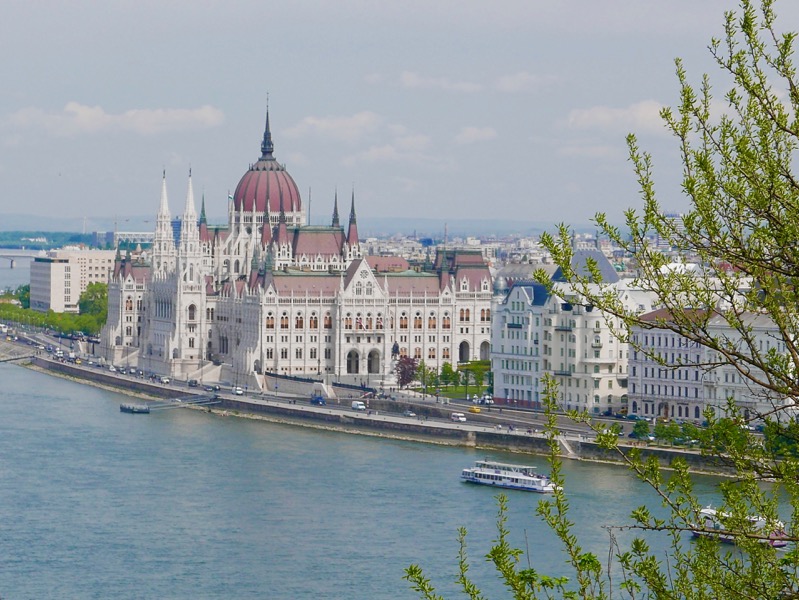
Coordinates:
column 267, row 180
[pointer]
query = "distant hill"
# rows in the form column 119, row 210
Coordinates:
column 367, row 227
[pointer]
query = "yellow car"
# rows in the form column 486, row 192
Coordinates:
column 474, row 409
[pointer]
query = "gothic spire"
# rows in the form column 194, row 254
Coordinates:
column 190, row 212
column 203, row 220
column 163, row 209
column 335, row 212
column 267, row 147
column 352, row 232
column 352, row 208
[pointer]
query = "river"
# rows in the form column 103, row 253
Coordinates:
column 95, row 503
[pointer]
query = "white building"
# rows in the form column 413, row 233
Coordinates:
column 675, row 378
column 58, row 279
column 269, row 294
column 563, row 335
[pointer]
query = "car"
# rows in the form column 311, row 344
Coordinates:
column 474, row 409
column 238, row 391
column 408, row 413
column 458, row 417
column 193, row 383
column 112, row 368
column 318, row 400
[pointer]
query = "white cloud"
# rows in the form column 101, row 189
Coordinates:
column 348, row 129
column 589, row 150
column 641, row 117
column 409, row 79
column 470, row 135
column 77, row 119
column 520, row 82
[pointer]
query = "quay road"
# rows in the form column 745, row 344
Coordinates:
column 512, row 421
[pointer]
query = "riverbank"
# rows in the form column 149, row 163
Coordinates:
column 380, row 421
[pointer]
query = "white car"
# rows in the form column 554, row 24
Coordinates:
column 238, row 391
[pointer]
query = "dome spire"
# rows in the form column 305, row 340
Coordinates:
column 267, row 147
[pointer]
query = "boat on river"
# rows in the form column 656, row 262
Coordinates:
column 503, row 475
column 136, row 409
column 710, row 525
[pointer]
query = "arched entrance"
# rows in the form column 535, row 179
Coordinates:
column 353, row 362
column 257, row 365
column 485, row 348
column 373, row 362
column 464, row 354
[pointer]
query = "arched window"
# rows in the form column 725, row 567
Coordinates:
column 368, row 324
column 468, row 315
column 348, row 321
column 359, row 289
column 313, row 321
column 417, row 321
column 445, row 353
column 431, row 353
column 284, row 321
column 369, row 288
column 328, row 321
column 192, row 312
column 403, row 321
column 445, row 322
column 129, row 303
column 299, row 322
column 270, row 321
column 462, row 315
column 236, row 266
column 431, row 322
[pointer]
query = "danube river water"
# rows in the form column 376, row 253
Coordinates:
column 179, row 504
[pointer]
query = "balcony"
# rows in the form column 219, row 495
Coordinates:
column 596, row 344
column 563, row 327
column 514, row 325
column 562, row 373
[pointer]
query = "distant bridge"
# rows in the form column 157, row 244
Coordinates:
column 14, row 254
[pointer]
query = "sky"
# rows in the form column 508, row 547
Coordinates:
column 511, row 110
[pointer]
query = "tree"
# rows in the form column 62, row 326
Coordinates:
column 94, row 300
column 406, row 370
column 741, row 231
column 23, row 294
column 641, row 430
column 448, row 374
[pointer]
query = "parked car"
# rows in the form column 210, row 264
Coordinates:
column 238, row 391
column 409, row 413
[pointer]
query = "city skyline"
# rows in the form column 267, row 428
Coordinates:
column 446, row 111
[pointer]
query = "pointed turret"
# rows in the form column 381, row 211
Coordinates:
column 202, row 211
column 163, row 209
column 190, row 212
column 267, row 147
column 282, row 236
column 335, row 212
column 163, row 250
column 266, row 231
column 352, row 233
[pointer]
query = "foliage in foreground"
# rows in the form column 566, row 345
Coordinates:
column 742, row 230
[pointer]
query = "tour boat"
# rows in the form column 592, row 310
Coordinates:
column 142, row 409
column 514, row 477
column 710, row 526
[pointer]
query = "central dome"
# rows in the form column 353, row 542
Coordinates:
column 267, row 181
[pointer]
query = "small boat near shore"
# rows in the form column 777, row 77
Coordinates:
column 710, row 525
column 136, row 409
column 513, row 477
